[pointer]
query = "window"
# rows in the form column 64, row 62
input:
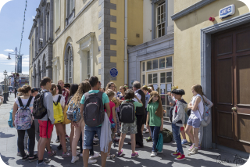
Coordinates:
column 70, row 7
column 57, row 14
column 143, row 66
column 155, row 64
column 161, row 20
column 162, row 63
column 33, row 49
column 143, row 79
column 68, row 59
column 88, row 65
column 169, row 62
column 149, row 65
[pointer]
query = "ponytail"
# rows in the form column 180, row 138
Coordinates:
column 24, row 89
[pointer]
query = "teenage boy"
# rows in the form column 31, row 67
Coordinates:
column 46, row 123
column 140, row 113
column 178, row 119
column 89, row 132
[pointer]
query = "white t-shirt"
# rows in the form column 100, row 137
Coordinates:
column 62, row 101
column 25, row 101
column 197, row 114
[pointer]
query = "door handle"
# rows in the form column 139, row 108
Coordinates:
column 234, row 108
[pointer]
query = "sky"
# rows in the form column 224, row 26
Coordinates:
column 11, row 21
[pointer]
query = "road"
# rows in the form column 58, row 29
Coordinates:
column 210, row 157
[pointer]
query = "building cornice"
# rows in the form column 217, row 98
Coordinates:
column 191, row 9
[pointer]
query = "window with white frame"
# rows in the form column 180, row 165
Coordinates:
column 88, row 64
column 69, row 65
column 159, row 73
column 161, row 14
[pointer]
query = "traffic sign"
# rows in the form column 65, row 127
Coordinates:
column 113, row 72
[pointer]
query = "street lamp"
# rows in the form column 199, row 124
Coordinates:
column 5, row 94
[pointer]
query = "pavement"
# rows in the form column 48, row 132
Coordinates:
column 209, row 157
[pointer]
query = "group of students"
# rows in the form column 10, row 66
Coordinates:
column 94, row 112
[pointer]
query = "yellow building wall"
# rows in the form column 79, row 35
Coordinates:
column 86, row 23
column 134, row 26
column 187, row 40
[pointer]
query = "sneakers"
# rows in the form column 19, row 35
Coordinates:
column 96, row 155
column 32, row 159
column 42, row 164
column 92, row 161
column 120, row 154
column 190, row 148
column 134, row 155
column 52, row 153
column 74, row 159
column 199, row 147
column 160, row 152
column 153, row 154
column 67, row 154
column 59, row 147
column 175, row 154
column 180, row 157
column 77, row 153
column 111, row 157
column 95, row 139
column 184, row 141
column 149, row 139
column 18, row 154
column 25, row 158
column 194, row 151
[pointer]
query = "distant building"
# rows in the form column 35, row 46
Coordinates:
column 23, row 80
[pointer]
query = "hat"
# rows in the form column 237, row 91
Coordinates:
column 178, row 91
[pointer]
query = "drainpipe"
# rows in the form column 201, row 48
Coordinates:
column 125, row 43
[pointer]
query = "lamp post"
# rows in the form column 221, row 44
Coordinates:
column 5, row 94
column 15, row 75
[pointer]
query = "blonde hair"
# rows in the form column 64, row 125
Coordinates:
column 24, row 89
column 198, row 89
column 82, row 88
column 110, row 93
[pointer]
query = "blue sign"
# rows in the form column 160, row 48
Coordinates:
column 227, row 11
column 113, row 72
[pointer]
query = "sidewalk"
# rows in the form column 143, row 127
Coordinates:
column 211, row 157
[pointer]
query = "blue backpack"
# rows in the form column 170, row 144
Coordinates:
column 159, row 145
column 10, row 122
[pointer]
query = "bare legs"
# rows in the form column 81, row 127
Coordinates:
column 61, row 133
column 121, row 142
column 193, row 137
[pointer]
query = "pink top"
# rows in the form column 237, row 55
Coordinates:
column 111, row 105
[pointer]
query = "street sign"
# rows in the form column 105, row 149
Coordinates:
column 227, row 11
column 113, row 72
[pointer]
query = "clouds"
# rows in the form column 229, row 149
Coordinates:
column 2, row 3
column 9, row 50
column 3, row 57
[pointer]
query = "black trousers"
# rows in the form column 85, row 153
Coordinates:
column 138, row 136
column 31, row 134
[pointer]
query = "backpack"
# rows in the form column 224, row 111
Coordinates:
column 127, row 112
column 206, row 117
column 167, row 135
column 23, row 117
column 73, row 112
column 10, row 122
column 57, row 108
column 159, row 145
column 66, row 120
column 39, row 110
column 93, row 109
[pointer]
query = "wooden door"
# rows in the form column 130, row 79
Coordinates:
column 231, row 88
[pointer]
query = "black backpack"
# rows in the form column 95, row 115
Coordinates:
column 127, row 112
column 39, row 111
column 93, row 113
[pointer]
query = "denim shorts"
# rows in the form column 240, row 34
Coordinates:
column 89, row 133
column 194, row 122
column 125, row 127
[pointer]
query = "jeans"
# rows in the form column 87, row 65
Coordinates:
column 91, row 151
column 155, row 130
column 26, row 144
column 89, row 133
column 31, row 134
column 177, row 137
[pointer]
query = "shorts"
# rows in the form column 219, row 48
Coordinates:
column 43, row 129
column 126, row 126
column 89, row 133
column 196, row 123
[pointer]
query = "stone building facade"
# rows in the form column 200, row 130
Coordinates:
column 41, row 38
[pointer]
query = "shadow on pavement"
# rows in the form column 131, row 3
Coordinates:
column 3, row 135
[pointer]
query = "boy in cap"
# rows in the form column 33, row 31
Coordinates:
column 178, row 119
